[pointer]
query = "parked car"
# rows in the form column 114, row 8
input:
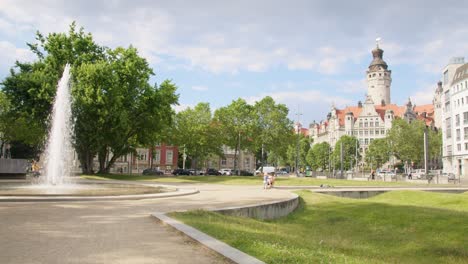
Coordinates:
column 180, row 172
column 227, row 172
column 212, row 172
column 152, row 171
column 418, row 174
column 244, row 173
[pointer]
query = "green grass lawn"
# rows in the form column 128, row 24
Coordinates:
column 395, row 227
column 246, row 180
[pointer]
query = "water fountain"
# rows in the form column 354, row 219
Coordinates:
column 59, row 151
column 56, row 181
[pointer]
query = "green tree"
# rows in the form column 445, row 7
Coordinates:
column 236, row 126
column 30, row 87
column 115, row 109
column 407, row 140
column 195, row 129
column 113, row 97
column 378, row 152
column 273, row 129
column 319, row 156
column 304, row 147
column 350, row 144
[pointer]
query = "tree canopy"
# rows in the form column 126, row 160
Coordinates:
column 115, row 109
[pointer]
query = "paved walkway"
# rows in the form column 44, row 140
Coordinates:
column 113, row 231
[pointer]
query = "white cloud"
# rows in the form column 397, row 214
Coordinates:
column 182, row 107
column 311, row 103
column 10, row 53
column 353, row 86
column 199, row 88
column 308, row 35
column 424, row 95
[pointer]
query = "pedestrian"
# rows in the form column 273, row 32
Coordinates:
column 373, row 175
column 272, row 179
column 265, row 180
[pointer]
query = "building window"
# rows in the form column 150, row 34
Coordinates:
column 382, row 132
column 448, row 125
column 371, row 124
column 366, row 133
column 365, row 124
column 360, row 132
column 371, row 132
column 223, row 162
column 377, row 132
column 465, row 133
column 465, row 118
column 366, row 141
column 466, row 146
column 459, row 147
column 169, row 156
column 457, row 120
column 157, row 156
column 376, row 123
column 247, row 163
column 458, row 134
column 360, row 124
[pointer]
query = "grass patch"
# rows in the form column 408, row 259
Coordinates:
column 245, row 180
column 395, row 227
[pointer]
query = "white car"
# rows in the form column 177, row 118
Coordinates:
column 226, row 172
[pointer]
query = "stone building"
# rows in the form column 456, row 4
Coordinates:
column 373, row 118
column 454, row 100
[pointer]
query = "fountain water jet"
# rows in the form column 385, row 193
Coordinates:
column 58, row 158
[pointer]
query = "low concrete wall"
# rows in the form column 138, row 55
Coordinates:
column 263, row 211
column 353, row 194
column 13, row 166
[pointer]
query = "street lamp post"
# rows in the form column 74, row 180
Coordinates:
column 184, row 156
column 297, row 144
column 238, row 156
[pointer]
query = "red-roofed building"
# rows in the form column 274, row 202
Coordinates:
column 373, row 118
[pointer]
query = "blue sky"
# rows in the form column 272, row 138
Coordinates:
column 305, row 54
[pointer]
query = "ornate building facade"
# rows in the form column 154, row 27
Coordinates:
column 373, row 118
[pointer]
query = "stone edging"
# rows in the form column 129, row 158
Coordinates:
column 71, row 198
column 280, row 208
column 269, row 210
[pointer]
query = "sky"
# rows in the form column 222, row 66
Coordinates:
column 308, row 55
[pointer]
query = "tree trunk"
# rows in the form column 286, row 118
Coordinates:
column 235, row 159
column 111, row 162
column 86, row 160
column 102, row 155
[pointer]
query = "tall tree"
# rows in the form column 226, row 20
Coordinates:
column 292, row 151
column 350, row 144
column 195, row 130
column 273, row 128
column 31, row 86
column 319, row 156
column 115, row 109
column 236, row 126
column 378, row 153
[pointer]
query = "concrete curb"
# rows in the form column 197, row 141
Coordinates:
column 262, row 211
column 269, row 210
column 210, row 242
column 70, row 198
